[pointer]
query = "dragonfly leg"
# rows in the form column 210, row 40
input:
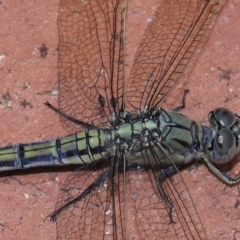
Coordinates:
column 83, row 124
column 164, row 196
column 182, row 106
column 85, row 193
column 222, row 175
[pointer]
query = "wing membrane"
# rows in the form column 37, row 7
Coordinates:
column 99, row 212
column 152, row 198
column 90, row 60
column 112, row 209
column 166, row 48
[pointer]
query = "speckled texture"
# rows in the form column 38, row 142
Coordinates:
column 27, row 198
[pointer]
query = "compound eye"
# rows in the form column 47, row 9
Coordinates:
column 224, row 146
column 222, row 116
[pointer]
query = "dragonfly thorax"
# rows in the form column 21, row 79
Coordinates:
column 165, row 133
column 134, row 128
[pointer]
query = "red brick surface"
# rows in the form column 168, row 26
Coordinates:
column 27, row 198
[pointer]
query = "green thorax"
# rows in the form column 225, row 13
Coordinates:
column 171, row 135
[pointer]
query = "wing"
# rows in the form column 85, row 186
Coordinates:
column 103, row 203
column 166, row 48
column 90, row 62
column 162, row 204
column 98, row 211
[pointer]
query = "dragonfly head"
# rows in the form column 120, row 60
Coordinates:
column 226, row 142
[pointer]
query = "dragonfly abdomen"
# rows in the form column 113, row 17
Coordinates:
column 79, row 148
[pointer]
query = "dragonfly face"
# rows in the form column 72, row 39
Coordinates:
column 226, row 141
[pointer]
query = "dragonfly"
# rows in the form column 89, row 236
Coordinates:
column 98, row 190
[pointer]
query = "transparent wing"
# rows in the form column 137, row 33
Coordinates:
column 163, row 206
column 90, row 61
column 166, row 48
column 152, row 217
column 110, row 206
column 98, row 213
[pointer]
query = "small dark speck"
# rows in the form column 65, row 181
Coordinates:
column 24, row 103
column 224, row 74
column 237, row 203
column 43, row 51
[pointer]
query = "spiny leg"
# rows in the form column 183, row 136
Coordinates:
column 78, row 122
column 86, row 192
column 182, row 106
column 164, row 196
column 222, row 175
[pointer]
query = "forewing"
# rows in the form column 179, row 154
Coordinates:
column 90, row 61
column 166, row 48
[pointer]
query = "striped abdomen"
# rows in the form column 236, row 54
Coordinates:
column 79, row 148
